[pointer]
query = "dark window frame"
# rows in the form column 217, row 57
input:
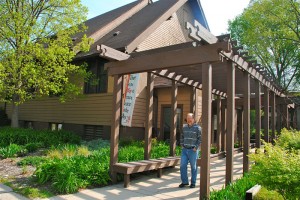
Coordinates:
column 96, row 66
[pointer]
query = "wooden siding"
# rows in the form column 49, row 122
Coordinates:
column 139, row 111
column 184, row 93
column 92, row 109
column 171, row 32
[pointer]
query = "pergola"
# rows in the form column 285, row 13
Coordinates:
column 218, row 69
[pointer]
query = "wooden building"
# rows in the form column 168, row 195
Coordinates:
column 131, row 29
column 183, row 68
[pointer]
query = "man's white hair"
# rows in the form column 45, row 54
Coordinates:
column 190, row 114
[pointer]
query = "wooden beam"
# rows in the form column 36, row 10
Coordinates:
column 111, row 54
column 184, row 80
column 165, row 60
column 174, row 93
column 219, row 123
column 257, row 113
column 253, row 72
column 273, row 116
column 115, row 126
column 149, row 115
column 117, row 21
column 223, row 128
column 267, row 114
column 230, row 121
column 246, row 106
column 206, row 130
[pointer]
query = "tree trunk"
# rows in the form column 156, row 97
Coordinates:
column 15, row 113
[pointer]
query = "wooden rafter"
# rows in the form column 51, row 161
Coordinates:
column 169, row 59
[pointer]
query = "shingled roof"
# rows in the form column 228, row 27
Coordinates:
column 126, row 27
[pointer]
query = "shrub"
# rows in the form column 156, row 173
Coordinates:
column 213, row 149
column 32, row 147
column 69, row 174
column 289, row 139
column 46, row 138
column 68, row 151
column 235, row 190
column 32, row 160
column 277, row 169
column 13, row 150
column 96, row 144
column 267, row 194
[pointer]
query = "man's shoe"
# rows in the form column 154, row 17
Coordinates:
column 183, row 184
column 192, row 186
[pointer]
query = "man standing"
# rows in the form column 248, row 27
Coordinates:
column 190, row 142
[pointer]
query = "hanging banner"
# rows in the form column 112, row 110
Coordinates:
column 129, row 99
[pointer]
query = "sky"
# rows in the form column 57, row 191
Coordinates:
column 217, row 12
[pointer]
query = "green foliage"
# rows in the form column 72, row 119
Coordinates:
column 235, row 190
column 43, row 138
column 266, row 194
column 96, row 144
column 289, row 139
column 32, row 160
column 277, row 169
column 67, row 151
column 37, row 48
column 32, row 147
column 268, row 30
column 131, row 153
column 213, row 149
column 13, row 150
column 69, row 174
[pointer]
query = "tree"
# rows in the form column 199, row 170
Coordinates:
column 37, row 49
column 269, row 30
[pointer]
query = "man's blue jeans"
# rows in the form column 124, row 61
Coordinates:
column 188, row 156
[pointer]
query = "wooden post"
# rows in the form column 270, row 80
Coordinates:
column 240, row 122
column 246, row 106
column 173, row 118
column 193, row 102
column 273, row 117
column 115, row 125
column 230, row 121
column 149, row 115
column 206, row 130
column 257, row 114
column 285, row 111
column 223, row 128
column 219, row 124
column 279, row 116
column 212, row 138
column 267, row 114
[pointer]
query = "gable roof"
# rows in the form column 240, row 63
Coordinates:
column 199, row 13
column 126, row 27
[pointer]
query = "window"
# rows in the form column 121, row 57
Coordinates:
column 55, row 126
column 98, row 82
column 92, row 132
column 28, row 124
